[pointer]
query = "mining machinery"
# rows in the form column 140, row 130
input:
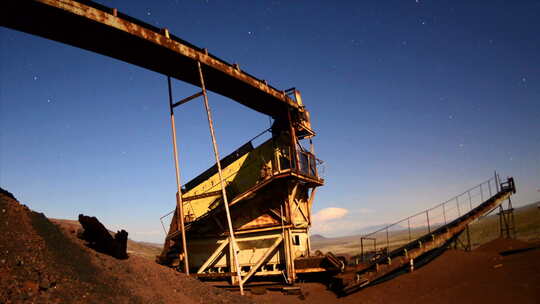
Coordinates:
column 249, row 215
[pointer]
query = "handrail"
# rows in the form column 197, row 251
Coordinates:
column 311, row 169
column 431, row 219
column 383, row 262
column 488, row 181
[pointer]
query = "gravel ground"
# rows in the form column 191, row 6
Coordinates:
column 41, row 262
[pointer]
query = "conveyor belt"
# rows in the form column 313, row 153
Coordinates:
column 97, row 28
column 429, row 244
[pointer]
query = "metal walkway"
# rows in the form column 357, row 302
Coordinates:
column 383, row 263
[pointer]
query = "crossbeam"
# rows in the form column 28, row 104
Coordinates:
column 214, row 255
column 183, row 101
column 199, row 196
column 263, row 259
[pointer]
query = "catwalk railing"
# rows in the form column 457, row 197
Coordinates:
column 395, row 235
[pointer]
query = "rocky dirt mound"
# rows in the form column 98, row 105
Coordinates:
column 143, row 249
column 42, row 263
column 479, row 276
column 502, row 245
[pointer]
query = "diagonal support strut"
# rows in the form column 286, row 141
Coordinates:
column 232, row 240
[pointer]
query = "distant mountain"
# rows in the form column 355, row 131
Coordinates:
column 317, row 238
column 158, row 245
column 373, row 228
column 355, row 235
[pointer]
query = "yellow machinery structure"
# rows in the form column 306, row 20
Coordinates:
column 271, row 189
column 249, row 215
column 263, row 194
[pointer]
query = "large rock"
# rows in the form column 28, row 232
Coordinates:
column 99, row 238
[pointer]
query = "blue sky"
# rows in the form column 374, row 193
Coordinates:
column 413, row 102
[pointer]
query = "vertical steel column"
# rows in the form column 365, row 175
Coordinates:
column 291, row 275
column 457, row 204
column 444, row 212
column 362, row 249
column 501, row 215
column 469, row 247
column 285, row 244
column 293, row 143
column 511, row 217
column 387, row 241
column 496, row 182
column 409, row 225
column 427, row 217
column 179, row 204
column 222, row 182
column 481, row 194
column 291, row 272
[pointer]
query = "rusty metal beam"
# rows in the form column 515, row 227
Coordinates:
column 297, row 207
column 214, row 275
column 199, row 196
column 214, row 256
column 107, row 31
column 310, row 270
column 183, row 101
column 263, row 259
column 179, row 203
column 233, row 246
column 242, row 232
column 310, row 202
column 277, row 215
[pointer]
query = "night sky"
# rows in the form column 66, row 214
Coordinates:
column 413, row 102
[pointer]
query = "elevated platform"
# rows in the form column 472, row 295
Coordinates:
column 271, row 189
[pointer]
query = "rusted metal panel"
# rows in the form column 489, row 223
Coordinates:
column 204, row 195
column 264, row 220
column 107, row 31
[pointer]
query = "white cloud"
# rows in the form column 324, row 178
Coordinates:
column 336, row 221
column 329, row 214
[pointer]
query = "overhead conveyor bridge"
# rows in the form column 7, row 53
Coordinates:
column 107, row 31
